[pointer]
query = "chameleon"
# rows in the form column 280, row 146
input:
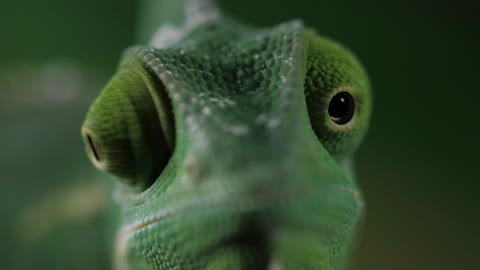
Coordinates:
column 231, row 146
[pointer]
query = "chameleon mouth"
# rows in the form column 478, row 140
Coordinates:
column 241, row 204
column 249, row 234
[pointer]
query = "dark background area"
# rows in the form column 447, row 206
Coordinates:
column 417, row 167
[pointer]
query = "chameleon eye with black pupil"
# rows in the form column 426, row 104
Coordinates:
column 341, row 108
column 128, row 130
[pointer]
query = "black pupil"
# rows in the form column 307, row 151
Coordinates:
column 341, row 108
column 92, row 147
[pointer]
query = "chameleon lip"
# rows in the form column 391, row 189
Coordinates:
column 261, row 200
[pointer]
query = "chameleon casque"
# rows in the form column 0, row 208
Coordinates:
column 231, row 146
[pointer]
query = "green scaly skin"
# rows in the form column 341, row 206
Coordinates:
column 225, row 152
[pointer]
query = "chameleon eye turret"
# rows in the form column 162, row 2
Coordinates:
column 338, row 96
column 125, row 129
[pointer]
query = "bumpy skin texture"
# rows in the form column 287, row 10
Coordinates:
column 258, row 177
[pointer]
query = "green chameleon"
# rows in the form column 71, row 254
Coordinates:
column 232, row 146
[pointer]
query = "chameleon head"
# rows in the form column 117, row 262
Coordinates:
column 238, row 144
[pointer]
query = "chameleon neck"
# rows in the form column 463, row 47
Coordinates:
column 173, row 14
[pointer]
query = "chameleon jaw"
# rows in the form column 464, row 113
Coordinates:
column 242, row 205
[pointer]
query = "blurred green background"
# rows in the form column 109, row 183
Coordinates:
column 417, row 166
